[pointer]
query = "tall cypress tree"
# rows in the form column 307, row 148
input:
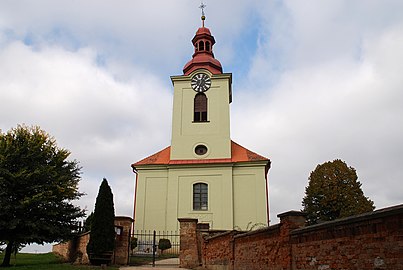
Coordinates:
column 102, row 235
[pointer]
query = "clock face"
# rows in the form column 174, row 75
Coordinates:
column 201, row 82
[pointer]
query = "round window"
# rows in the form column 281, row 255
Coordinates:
column 201, row 150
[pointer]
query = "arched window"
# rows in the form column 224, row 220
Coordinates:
column 200, row 196
column 200, row 108
column 207, row 46
column 201, row 46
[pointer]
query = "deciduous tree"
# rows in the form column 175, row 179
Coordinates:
column 334, row 192
column 37, row 187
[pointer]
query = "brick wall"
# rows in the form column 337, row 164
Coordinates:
column 260, row 249
column 75, row 250
column 220, row 251
column 369, row 241
column 189, row 254
column 122, row 243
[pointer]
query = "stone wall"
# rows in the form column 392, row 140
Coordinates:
column 75, row 250
column 369, row 241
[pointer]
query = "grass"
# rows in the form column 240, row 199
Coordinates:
column 142, row 260
column 46, row 261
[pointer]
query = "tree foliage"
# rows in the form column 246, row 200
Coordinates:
column 87, row 222
column 102, row 235
column 164, row 244
column 334, row 192
column 37, row 187
column 133, row 243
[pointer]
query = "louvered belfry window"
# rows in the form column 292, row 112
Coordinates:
column 200, row 108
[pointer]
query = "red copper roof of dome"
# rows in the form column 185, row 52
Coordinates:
column 203, row 30
column 238, row 154
column 203, row 58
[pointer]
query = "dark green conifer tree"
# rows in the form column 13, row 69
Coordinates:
column 102, row 235
column 87, row 222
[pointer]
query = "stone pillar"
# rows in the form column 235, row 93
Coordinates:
column 202, row 229
column 289, row 221
column 123, row 227
column 188, row 255
column 292, row 220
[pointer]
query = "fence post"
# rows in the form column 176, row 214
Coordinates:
column 154, row 247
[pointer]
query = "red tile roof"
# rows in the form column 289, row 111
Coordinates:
column 239, row 154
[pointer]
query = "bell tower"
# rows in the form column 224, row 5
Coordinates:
column 202, row 174
column 201, row 111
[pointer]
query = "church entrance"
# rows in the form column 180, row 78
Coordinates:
column 156, row 248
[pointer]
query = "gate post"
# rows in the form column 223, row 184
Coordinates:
column 154, row 248
column 188, row 254
column 122, row 242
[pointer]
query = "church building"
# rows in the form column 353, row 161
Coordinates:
column 203, row 174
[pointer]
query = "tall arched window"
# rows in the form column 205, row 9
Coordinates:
column 201, row 45
column 200, row 108
column 200, row 196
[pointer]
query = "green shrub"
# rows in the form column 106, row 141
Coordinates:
column 164, row 244
column 133, row 243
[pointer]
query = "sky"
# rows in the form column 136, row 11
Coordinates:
column 313, row 81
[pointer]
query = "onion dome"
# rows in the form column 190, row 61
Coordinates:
column 203, row 56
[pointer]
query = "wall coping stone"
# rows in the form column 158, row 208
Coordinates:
column 221, row 234
column 218, row 231
column 203, row 226
column 188, row 220
column 124, row 217
column 259, row 231
column 292, row 213
column 384, row 212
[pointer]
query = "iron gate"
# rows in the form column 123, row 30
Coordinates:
column 151, row 246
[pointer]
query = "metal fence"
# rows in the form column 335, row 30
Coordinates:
column 149, row 243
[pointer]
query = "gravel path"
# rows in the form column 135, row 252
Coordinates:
column 168, row 264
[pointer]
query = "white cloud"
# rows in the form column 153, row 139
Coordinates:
column 319, row 81
column 343, row 107
column 103, row 122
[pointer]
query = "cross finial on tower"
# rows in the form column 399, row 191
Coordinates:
column 202, row 7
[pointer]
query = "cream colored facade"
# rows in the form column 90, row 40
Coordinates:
column 237, row 194
column 215, row 133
